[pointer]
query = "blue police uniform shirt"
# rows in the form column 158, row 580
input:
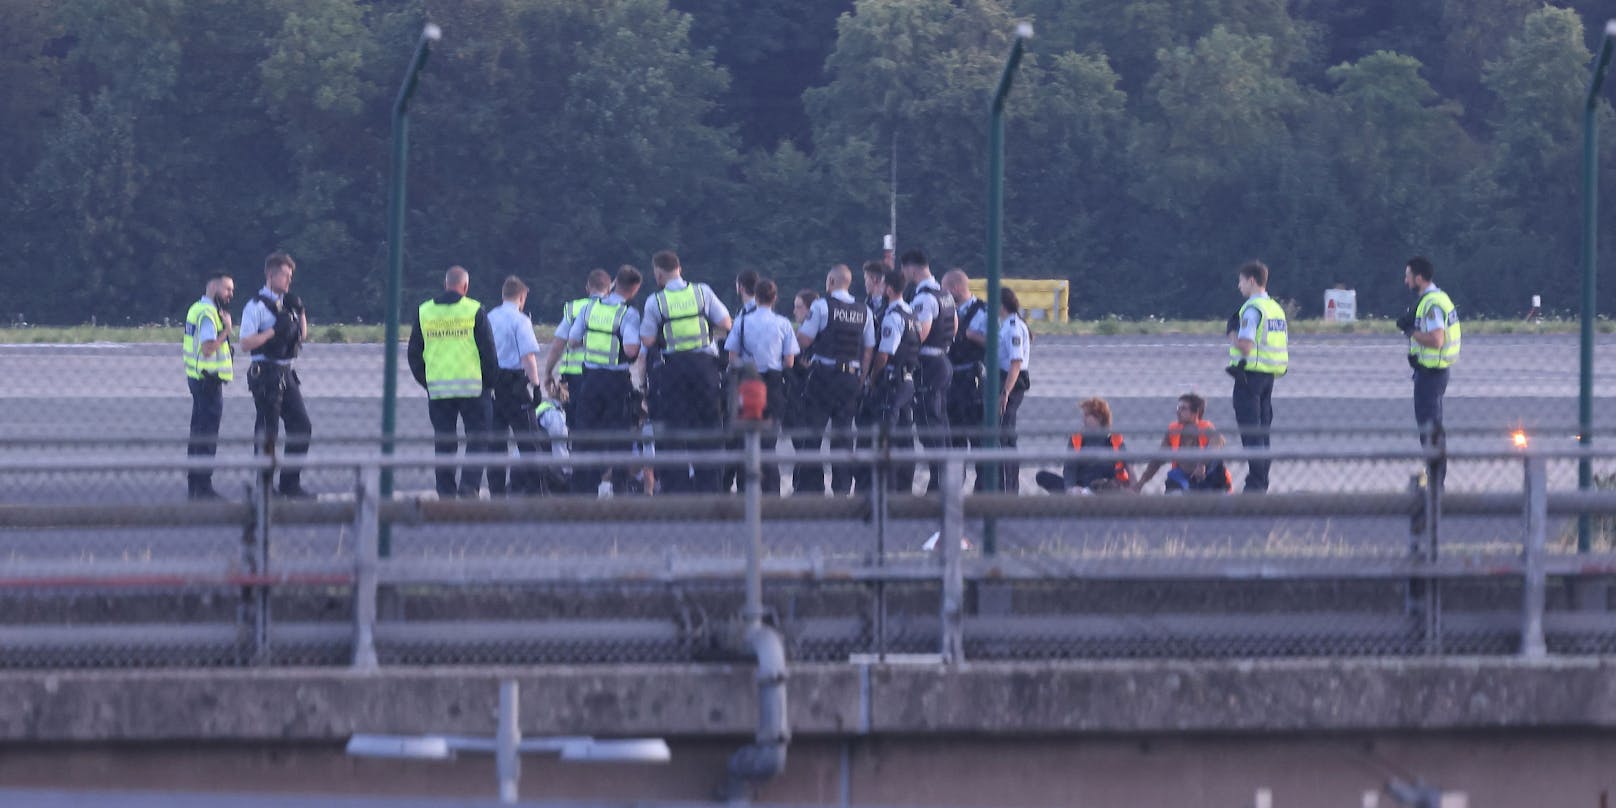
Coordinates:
column 979, row 323
column 629, row 332
column 762, row 337
column 1251, row 318
column 1015, row 342
column 714, row 311
column 925, row 306
column 513, row 335
column 819, row 316
column 891, row 327
column 256, row 318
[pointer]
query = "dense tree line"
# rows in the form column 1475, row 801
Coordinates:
column 1152, row 145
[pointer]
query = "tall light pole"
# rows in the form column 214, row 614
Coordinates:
column 395, row 259
column 1590, row 260
column 990, row 384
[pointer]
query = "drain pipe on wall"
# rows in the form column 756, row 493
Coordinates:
column 765, row 757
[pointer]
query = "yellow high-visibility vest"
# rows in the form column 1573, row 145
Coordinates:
column 197, row 365
column 1271, row 353
column 454, row 368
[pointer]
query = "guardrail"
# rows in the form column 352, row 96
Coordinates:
column 863, row 596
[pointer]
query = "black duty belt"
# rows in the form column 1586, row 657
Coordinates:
column 839, row 367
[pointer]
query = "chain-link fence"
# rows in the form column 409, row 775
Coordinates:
column 104, row 562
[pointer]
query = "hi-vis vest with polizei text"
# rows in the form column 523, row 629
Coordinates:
column 196, row 365
column 603, row 341
column 454, row 369
column 1270, row 354
column 1436, row 358
column 572, row 360
column 684, row 319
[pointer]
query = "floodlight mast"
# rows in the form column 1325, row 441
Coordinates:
column 1590, row 260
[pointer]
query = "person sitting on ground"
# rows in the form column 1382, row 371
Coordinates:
column 1191, row 426
column 1084, row 476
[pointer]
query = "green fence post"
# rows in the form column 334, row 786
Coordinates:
column 395, row 262
column 990, row 384
column 1590, row 259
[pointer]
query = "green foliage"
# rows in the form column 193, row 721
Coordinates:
column 1152, row 146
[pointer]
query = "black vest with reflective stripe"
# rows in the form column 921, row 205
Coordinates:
column 944, row 324
column 842, row 339
column 908, row 354
column 963, row 351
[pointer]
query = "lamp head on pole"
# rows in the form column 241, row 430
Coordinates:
column 432, row 33
column 1024, row 29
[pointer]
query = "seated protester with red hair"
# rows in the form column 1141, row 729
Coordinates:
column 1088, row 474
column 1190, row 429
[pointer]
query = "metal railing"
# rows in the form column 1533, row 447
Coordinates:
column 561, row 579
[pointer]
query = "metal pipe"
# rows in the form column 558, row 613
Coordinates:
column 765, row 757
column 367, row 532
column 1590, row 259
column 1535, row 582
column 508, row 740
column 754, row 522
column 430, row 33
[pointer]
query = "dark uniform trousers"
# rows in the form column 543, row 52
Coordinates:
column 892, row 402
column 1430, row 385
column 513, row 415
column 932, row 382
column 207, row 410
column 278, row 398
column 573, row 384
column 691, row 394
column 1254, row 412
column 475, row 414
column 604, row 397
column 965, row 414
column 1010, row 479
column 831, row 396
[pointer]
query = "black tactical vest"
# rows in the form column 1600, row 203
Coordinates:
column 944, row 324
column 963, row 351
column 842, row 339
column 288, row 338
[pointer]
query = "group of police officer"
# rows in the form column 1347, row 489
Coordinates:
column 907, row 361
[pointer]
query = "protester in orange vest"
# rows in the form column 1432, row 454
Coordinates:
column 1192, row 428
column 1083, row 476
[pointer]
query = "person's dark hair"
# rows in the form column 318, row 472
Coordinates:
column 1010, row 301
column 875, row 268
column 276, row 260
column 217, row 276
column 598, row 281
column 747, row 281
column 894, row 280
column 627, row 276
column 807, row 296
column 512, row 288
column 1421, row 267
column 666, row 261
column 913, row 258
column 767, row 293
column 1197, row 404
column 1255, row 271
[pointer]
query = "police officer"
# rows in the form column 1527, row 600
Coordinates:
column 890, row 380
column 840, row 333
column 567, row 366
column 208, row 368
column 608, row 332
column 965, row 357
column 867, row 418
column 766, row 342
column 1257, row 356
column 684, row 321
column 1015, row 378
column 273, row 327
column 935, row 316
column 452, row 355
column 1433, row 346
column 518, row 352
